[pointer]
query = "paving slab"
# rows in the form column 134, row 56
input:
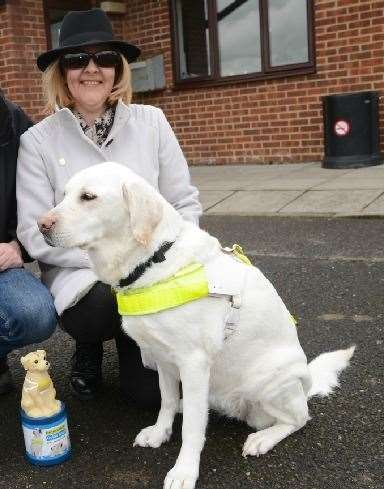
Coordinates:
column 368, row 171
column 347, row 183
column 317, row 170
column 257, row 202
column 237, row 178
column 234, row 176
column 343, row 192
column 290, row 182
column 331, row 202
column 223, row 169
column 229, row 182
column 209, row 198
column 376, row 207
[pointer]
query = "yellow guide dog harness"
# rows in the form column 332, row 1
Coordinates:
column 192, row 282
column 188, row 284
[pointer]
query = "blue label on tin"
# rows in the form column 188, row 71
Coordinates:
column 47, row 442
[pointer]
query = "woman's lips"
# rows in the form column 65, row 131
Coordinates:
column 90, row 83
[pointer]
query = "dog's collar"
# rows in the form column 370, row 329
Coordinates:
column 157, row 257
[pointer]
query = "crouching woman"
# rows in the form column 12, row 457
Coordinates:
column 87, row 83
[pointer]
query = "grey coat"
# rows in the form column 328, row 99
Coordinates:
column 56, row 148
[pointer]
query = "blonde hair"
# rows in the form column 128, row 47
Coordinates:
column 56, row 91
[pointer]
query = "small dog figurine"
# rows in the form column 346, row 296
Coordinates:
column 38, row 395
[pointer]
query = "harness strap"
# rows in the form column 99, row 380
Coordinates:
column 187, row 285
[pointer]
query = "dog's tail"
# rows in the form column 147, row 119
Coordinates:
column 325, row 370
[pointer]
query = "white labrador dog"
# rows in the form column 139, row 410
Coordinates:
column 251, row 368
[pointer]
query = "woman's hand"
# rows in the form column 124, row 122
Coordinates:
column 10, row 256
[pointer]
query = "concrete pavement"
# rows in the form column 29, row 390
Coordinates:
column 329, row 273
column 303, row 189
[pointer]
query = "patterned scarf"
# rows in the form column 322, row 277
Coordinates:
column 99, row 130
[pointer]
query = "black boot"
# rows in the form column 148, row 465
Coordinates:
column 86, row 370
column 6, row 383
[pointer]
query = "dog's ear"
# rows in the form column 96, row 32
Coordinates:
column 145, row 209
column 25, row 361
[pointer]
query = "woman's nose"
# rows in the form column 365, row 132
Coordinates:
column 91, row 66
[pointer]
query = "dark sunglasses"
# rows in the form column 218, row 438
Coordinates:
column 103, row 59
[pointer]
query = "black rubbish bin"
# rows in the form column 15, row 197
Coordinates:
column 351, row 130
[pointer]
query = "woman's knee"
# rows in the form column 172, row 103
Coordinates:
column 94, row 318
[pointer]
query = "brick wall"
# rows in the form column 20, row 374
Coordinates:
column 22, row 37
column 276, row 120
column 262, row 121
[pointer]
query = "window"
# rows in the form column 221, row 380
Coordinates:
column 219, row 41
column 54, row 11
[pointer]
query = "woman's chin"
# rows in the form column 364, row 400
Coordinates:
column 92, row 100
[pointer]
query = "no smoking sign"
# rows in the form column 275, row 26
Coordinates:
column 342, row 127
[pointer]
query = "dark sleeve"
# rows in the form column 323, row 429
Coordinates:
column 19, row 122
column 5, row 123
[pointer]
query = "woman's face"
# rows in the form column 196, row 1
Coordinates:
column 91, row 86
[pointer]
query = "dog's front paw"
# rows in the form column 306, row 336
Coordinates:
column 152, row 436
column 258, row 444
column 181, row 477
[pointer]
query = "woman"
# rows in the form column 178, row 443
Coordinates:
column 88, row 80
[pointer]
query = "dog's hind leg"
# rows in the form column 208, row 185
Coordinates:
column 154, row 436
column 283, row 413
column 257, row 418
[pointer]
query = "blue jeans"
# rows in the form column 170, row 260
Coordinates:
column 27, row 312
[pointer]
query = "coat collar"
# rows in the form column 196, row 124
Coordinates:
column 122, row 115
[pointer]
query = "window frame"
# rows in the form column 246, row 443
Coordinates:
column 268, row 72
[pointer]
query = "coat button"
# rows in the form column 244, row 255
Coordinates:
column 62, row 162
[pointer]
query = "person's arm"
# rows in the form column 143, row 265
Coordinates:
column 35, row 196
column 174, row 178
column 19, row 122
column 5, row 122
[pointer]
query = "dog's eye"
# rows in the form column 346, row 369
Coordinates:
column 36, row 361
column 87, row 196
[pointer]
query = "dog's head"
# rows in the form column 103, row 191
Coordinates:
column 98, row 202
column 36, row 360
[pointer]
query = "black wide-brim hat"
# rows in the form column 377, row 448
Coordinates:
column 86, row 28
